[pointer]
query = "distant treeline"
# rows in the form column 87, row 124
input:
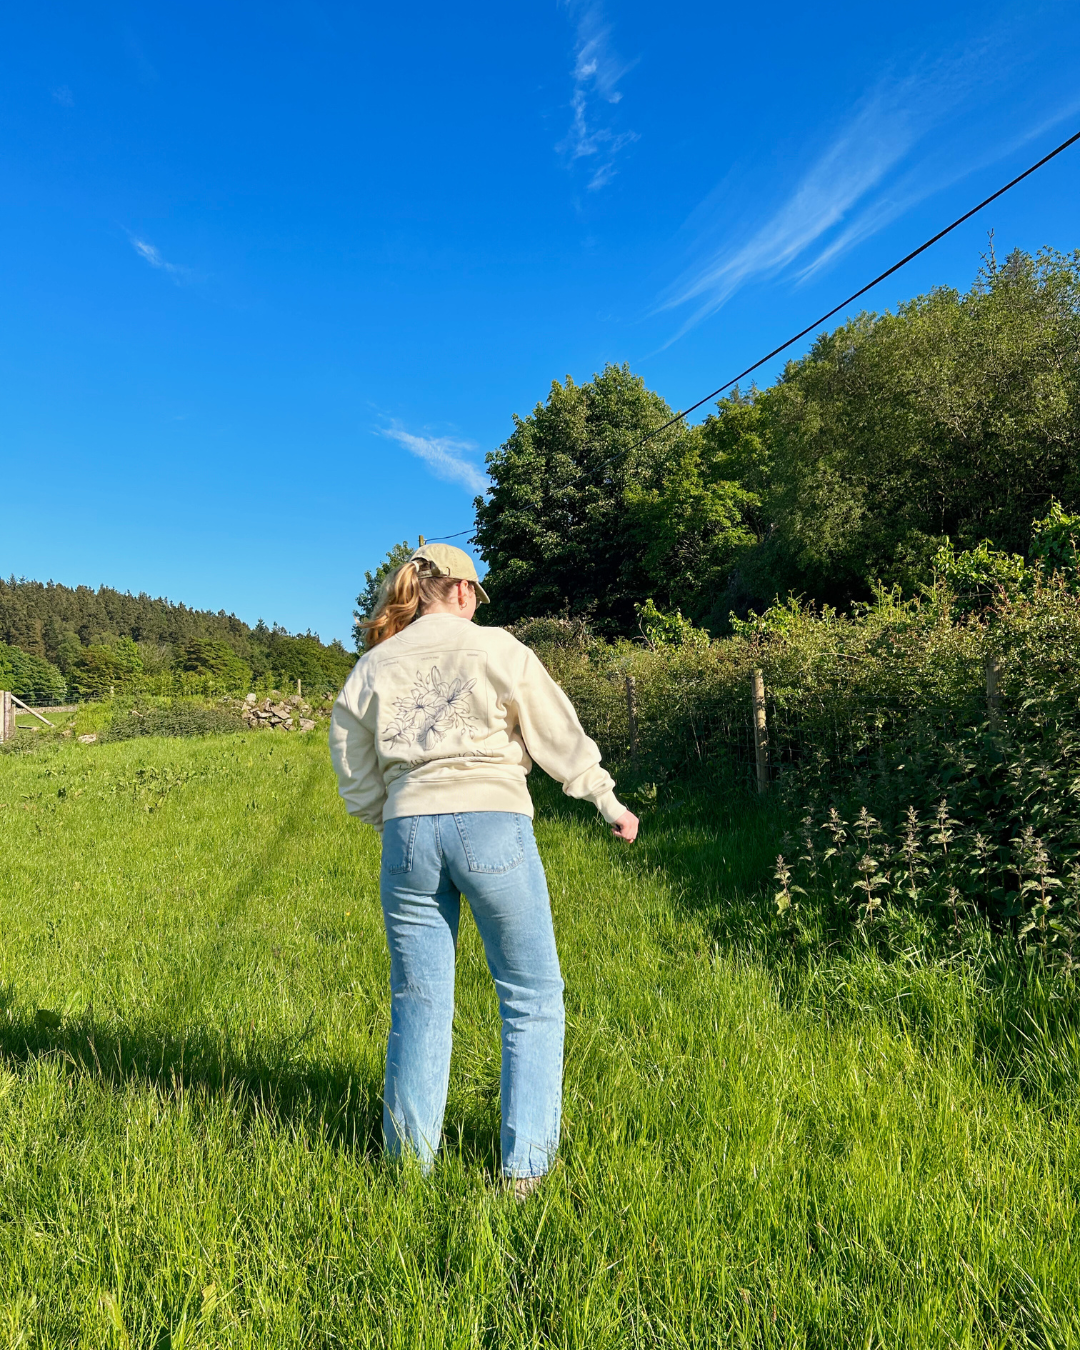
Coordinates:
column 55, row 638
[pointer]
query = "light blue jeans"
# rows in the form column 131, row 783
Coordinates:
column 428, row 863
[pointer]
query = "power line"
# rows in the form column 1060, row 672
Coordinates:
column 862, row 291
column 836, row 308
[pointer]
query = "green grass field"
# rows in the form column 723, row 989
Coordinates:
column 769, row 1140
column 28, row 722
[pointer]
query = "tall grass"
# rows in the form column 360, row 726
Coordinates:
column 773, row 1137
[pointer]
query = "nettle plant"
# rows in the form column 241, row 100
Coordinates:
column 965, row 804
column 936, row 864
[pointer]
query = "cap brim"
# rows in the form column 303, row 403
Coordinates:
column 481, row 594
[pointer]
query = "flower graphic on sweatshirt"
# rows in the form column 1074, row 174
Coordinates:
column 432, row 708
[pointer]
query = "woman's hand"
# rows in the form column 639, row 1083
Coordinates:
column 626, row 827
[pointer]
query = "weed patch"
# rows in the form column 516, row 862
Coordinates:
column 181, row 719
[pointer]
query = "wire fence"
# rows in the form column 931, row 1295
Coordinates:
column 752, row 725
column 45, row 700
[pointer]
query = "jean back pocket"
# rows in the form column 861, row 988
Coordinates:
column 398, row 842
column 493, row 840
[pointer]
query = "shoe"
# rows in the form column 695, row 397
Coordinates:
column 523, row 1187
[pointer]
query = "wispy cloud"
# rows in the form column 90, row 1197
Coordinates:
column 880, row 133
column 64, row 96
column 881, row 163
column 444, row 456
column 598, row 68
column 920, row 182
column 154, row 258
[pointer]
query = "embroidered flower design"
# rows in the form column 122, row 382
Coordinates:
column 433, row 707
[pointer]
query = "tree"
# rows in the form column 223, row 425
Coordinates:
column 700, row 514
column 336, row 663
column 208, row 656
column 558, row 530
column 369, row 596
column 61, row 622
column 956, row 417
column 102, row 668
column 320, row 669
column 29, row 676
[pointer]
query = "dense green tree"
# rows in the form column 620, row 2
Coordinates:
column 103, row 668
column 559, row 529
column 28, row 676
column 208, row 656
column 336, row 663
column 956, row 417
column 698, row 513
column 320, row 669
column 368, row 597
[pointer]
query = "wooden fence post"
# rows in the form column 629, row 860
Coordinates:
column 761, row 731
column 18, row 703
column 7, row 716
column 631, row 717
column 993, row 680
column 298, row 693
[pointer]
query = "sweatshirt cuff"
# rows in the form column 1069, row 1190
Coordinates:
column 610, row 807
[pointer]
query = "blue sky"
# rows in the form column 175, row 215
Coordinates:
column 277, row 276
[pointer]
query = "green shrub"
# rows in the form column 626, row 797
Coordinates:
column 944, row 728
column 179, row 720
column 1055, row 542
column 692, row 700
column 549, row 633
column 669, row 630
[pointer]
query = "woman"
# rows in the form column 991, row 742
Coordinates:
column 431, row 738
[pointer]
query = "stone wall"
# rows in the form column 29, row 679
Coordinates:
column 279, row 714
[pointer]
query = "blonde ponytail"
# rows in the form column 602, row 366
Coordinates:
column 402, row 597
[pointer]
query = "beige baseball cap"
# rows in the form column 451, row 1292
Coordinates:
column 448, row 561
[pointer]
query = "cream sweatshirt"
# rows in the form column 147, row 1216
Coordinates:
column 446, row 716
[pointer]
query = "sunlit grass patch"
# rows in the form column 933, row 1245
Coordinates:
column 767, row 1141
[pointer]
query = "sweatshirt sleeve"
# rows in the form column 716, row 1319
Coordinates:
column 356, row 763
column 557, row 742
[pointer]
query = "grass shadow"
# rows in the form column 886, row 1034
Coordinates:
column 330, row 1099
column 716, row 846
column 1014, row 1019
